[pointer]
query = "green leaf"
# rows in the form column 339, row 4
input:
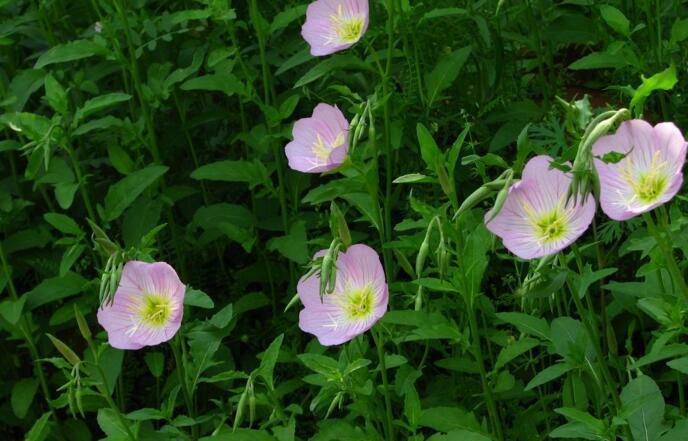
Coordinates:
column 600, row 60
column 120, row 159
column 513, row 350
column 55, row 94
column 63, row 223
column 679, row 31
column 196, row 297
column 122, row 194
column 99, row 103
column 226, row 83
column 11, row 310
column 583, row 281
column 72, row 51
column 680, row 364
column 268, row 361
column 284, row 18
column 527, row 324
column 250, row 172
column 615, row 19
column 548, row 374
column 412, row 407
column 22, row 86
column 53, row 289
column 445, row 419
column 579, row 416
column 446, row 71
column 232, row 221
column 643, row 407
column 155, row 362
column 40, row 430
column 293, row 246
column 145, row 414
column 460, row 435
column 664, row 80
column 335, row 63
column 429, row 150
column 322, row 364
column 23, row 393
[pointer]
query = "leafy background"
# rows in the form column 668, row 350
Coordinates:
column 164, row 122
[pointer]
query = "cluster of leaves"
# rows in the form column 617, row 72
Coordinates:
column 155, row 130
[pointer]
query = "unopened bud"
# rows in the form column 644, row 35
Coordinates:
column 65, row 350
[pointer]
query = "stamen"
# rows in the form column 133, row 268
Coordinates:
column 347, row 29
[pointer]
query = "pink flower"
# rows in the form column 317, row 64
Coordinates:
column 358, row 301
column 321, row 142
column 147, row 308
column 535, row 220
column 650, row 175
column 334, row 25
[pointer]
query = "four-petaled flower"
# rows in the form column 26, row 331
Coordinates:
column 648, row 176
column 334, row 25
column 321, row 142
column 536, row 220
column 147, row 308
column 358, row 301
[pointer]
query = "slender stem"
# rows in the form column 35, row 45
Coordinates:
column 487, row 391
column 615, row 404
column 681, row 394
column 181, row 374
column 674, row 270
column 85, row 195
column 105, row 392
column 379, row 343
column 26, row 333
column 388, row 139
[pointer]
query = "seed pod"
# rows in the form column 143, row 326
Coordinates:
column 251, row 408
column 83, row 325
column 422, row 254
column 65, row 350
column 500, row 200
column 294, row 300
column 239, row 415
column 471, row 201
column 419, row 299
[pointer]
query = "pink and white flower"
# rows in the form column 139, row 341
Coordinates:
column 358, row 301
column 334, row 25
column 535, row 220
column 321, row 142
column 147, row 308
column 648, row 176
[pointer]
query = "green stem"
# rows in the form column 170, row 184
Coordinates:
column 85, row 195
column 104, row 391
column 487, row 391
column 26, row 333
column 181, row 374
column 590, row 328
column 388, row 139
column 379, row 343
column 672, row 266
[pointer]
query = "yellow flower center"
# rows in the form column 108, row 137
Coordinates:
column 155, row 309
column 348, row 29
column 322, row 151
column 359, row 302
column 649, row 185
column 549, row 226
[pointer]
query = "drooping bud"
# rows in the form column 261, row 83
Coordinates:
column 83, row 325
column 65, row 350
column 338, row 225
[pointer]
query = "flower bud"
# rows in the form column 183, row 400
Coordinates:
column 83, row 325
column 65, row 350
